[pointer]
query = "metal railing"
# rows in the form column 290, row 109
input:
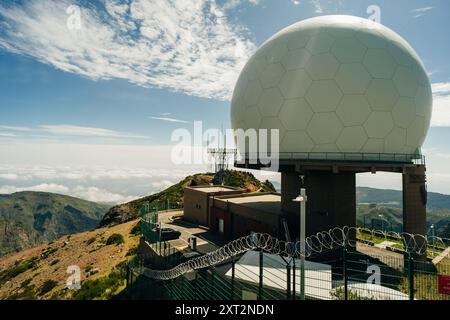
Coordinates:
column 337, row 156
column 350, row 276
column 339, row 270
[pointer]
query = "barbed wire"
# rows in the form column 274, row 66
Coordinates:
column 318, row 243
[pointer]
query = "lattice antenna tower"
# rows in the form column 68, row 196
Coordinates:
column 222, row 156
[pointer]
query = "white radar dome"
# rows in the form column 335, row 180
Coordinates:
column 336, row 84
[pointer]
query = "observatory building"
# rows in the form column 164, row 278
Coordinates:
column 348, row 96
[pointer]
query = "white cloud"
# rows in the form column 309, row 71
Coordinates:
column 169, row 119
column 441, row 88
column 9, row 176
column 441, row 105
column 45, row 187
column 419, row 12
column 160, row 185
column 187, row 46
column 71, row 130
column 318, row 7
column 423, row 9
column 13, row 128
column 66, row 130
column 99, row 195
column 7, row 135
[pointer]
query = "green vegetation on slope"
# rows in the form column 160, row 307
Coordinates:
column 375, row 202
column 174, row 194
column 31, row 218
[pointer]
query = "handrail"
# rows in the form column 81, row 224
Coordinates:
column 339, row 156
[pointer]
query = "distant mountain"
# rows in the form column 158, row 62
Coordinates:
column 174, row 194
column 373, row 202
column 31, row 218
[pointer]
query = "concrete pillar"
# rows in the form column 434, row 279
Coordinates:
column 331, row 200
column 290, row 189
column 414, row 200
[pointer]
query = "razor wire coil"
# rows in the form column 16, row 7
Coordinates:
column 320, row 242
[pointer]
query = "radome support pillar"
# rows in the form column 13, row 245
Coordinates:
column 414, row 200
column 331, row 199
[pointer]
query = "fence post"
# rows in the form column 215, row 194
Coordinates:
column 212, row 284
column 233, row 275
column 344, row 270
column 261, row 275
column 288, row 273
column 411, row 276
column 293, row 279
column 128, row 276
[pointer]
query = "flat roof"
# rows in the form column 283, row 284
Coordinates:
column 213, row 189
column 268, row 202
column 318, row 276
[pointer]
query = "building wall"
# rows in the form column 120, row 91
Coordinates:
column 216, row 214
column 197, row 203
column 241, row 220
column 196, row 206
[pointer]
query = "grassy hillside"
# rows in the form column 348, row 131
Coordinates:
column 41, row 272
column 31, row 218
column 174, row 194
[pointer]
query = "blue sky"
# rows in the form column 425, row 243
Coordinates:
column 106, row 99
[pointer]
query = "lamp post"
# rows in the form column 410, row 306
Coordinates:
column 302, row 198
column 433, row 235
column 383, row 219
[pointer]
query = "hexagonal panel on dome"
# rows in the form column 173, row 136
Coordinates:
column 373, row 146
column 415, row 134
column 324, row 128
column 241, row 86
column 324, row 96
column 382, row 95
column 371, row 39
column 336, row 84
column 271, row 75
column 276, row 52
column 353, row 110
column 380, row 63
column 352, row 139
column 294, row 141
column 255, row 68
column 405, row 82
column 322, row 66
column 420, row 74
column 273, row 123
column 295, row 84
column 423, row 101
column 404, row 112
column 252, row 117
column 237, row 108
column 379, row 125
column 253, row 92
column 326, row 147
column 400, row 55
column 340, row 33
column 349, row 50
column 353, row 78
column 320, row 42
column 270, row 102
column 295, row 114
column 296, row 59
column 396, row 140
column 297, row 40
